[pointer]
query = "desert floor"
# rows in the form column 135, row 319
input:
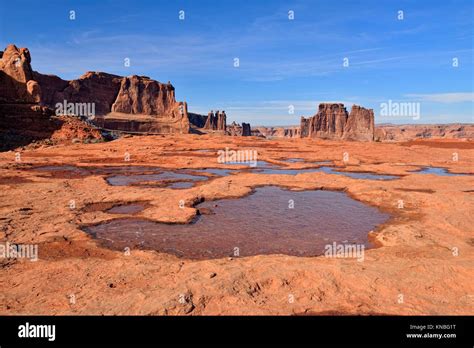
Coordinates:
column 424, row 262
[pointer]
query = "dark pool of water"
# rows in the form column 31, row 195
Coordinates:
column 131, row 208
column 216, row 171
column 181, row 185
column 322, row 162
column 125, row 180
column 301, row 160
column 358, row 175
column 293, row 160
column 261, row 223
column 251, row 164
column 286, row 171
column 437, row 171
column 129, row 175
column 329, row 170
column 106, row 170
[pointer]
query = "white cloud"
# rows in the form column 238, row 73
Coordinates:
column 447, row 98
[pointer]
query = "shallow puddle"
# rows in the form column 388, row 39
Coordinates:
column 66, row 171
column 181, row 185
column 131, row 208
column 301, row 160
column 293, row 160
column 261, row 223
column 437, row 171
column 252, row 164
column 216, row 171
column 133, row 175
column 125, row 180
column 328, row 170
column 286, row 171
column 358, row 175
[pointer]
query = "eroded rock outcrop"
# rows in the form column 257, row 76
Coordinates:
column 99, row 88
column 246, row 130
column 360, row 124
column 111, row 95
column 114, row 97
column 16, row 76
column 24, row 113
column 235, row 129
column 333, row 122
column 217, row 121
column 141, row 95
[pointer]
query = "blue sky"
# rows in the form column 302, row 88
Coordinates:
column 283, row 62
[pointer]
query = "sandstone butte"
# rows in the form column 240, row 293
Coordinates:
column 424, row 252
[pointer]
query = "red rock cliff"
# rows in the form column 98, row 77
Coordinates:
column 112, row 95
column 333, row 122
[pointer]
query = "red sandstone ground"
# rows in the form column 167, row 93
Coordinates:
column 425, row 254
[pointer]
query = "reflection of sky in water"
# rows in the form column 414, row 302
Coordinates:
column 123, row 180
column 437, row 171
column 261, row 223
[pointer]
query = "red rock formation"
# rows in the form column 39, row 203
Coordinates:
column 114, row 96
column 359, row 125
column 328, row 123
column 141, row 95
column 16, row 76
column 333, row 122
column 71, row 128
column 246, row 130
column 211, row 121
column 217, row 121
column 22, row 118
column 236, row 129
column 93, row 87
column 222, row 121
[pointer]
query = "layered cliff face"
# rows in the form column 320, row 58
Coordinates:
column 93, row 87
column 329, row 122
column 141, row 95
column 114, row 95
column 333, row 122
column 359, row 125
column 109, row 95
